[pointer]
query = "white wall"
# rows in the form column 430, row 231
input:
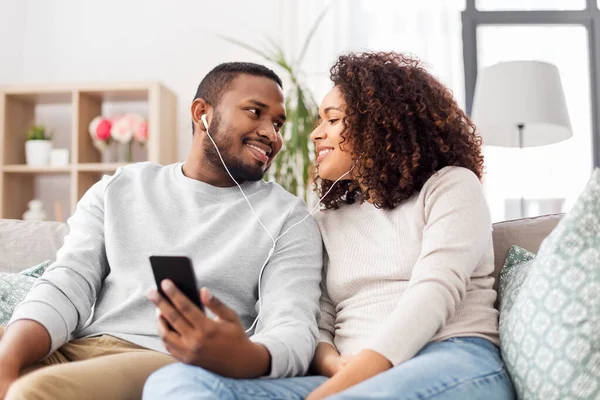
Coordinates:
column 126, row 40
column 12, row 35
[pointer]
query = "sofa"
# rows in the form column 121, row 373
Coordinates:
column 25, row 243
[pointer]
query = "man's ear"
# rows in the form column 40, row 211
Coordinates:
column 200, row 107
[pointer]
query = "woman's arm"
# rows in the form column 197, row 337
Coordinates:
column 363, row 366
column 456, row 235
column 327, row 361
column 328, row 312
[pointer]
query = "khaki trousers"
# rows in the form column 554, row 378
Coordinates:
column 102, row 367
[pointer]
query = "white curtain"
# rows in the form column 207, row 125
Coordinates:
column 428, row 29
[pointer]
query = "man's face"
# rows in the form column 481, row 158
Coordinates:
column 246, row 125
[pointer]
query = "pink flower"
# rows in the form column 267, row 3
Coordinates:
column 103, row 130
column 122, row 128
column 140, row 131
column 100, row 129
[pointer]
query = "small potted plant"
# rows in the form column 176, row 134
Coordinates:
column 38, row 146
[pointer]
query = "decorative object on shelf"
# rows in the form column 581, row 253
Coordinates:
column 114, row 137
column 38, row 146
column 59, row 157
column 100, row 132
column 35, row 212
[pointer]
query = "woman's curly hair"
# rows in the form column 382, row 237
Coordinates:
column 401, row 126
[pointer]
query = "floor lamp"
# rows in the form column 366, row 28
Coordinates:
column 521, row 104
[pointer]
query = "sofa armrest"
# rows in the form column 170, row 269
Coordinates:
column 528, row 233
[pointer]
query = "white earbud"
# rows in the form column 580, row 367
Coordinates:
column 203, row 119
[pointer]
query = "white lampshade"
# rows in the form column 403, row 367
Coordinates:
column 521, row 92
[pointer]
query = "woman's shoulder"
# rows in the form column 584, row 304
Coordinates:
column 452, row 177
column 451, row 185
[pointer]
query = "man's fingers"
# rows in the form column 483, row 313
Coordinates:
column 169, row 313
column 169, row 337
column 193, row 314
column 217, row 306
column 171, row 340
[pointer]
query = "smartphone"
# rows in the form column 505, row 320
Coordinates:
column 180, row 271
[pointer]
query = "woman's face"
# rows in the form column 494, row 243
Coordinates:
column 332, row 161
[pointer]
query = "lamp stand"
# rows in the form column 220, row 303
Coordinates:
column 522, row 200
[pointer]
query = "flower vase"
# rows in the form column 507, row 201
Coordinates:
column 124, row 152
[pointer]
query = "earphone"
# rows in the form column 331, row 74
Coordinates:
column 274, row 240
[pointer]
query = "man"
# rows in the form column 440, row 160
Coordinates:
column 95, row 292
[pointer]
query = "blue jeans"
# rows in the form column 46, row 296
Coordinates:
column 455, row 369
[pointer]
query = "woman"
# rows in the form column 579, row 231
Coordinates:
column 408, row 304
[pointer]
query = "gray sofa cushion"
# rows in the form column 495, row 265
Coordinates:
column 27, row 243
column 527, row 233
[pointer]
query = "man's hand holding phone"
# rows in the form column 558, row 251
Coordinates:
column 219, row 345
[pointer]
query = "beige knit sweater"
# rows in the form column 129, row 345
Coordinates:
column 399, row 279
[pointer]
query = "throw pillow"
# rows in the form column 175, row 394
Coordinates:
column 550, row 336
column 14, row 288
column 512, row 276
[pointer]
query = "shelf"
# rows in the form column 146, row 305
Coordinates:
column 58, row 96
column 25, row 169
column 99, row 167
column 68, row 109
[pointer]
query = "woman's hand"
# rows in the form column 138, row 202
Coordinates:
column 361, row 367
column 327, row 361
column 334, row 364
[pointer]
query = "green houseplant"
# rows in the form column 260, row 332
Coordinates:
column 293, row 166
column 38, row 146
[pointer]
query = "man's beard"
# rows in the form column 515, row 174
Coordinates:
column 241, row 172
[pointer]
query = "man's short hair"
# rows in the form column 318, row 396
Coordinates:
column 217, row 81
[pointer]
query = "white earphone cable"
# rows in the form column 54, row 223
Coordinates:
column 272, row 251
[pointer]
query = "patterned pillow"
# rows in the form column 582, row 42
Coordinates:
column 512, row 276
column 14, row 288
column 550, row 336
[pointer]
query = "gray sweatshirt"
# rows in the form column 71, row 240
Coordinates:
column 99, row 281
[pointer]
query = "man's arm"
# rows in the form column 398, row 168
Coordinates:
column 23, row 344
column 290, row 293
column 327, row 360
column 62, row 298
column 287, row 327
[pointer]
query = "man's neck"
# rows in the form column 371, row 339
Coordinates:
column 195, row 169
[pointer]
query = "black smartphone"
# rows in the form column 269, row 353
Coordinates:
column 180, row 271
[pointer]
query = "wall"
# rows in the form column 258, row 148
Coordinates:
column 12, row 35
